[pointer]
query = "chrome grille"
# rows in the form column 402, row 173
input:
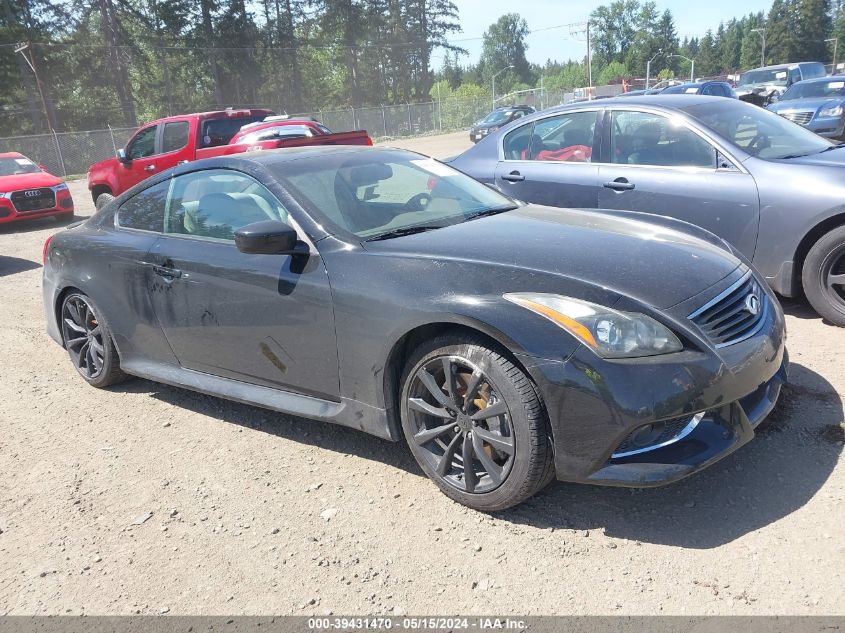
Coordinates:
column 801, row 118
column 34, row 199
column 736, row 314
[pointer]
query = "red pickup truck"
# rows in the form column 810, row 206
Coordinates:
column 168, row 142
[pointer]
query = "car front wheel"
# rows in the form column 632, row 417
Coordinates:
column 824, row 276
column 89, row 343
column 475, row 423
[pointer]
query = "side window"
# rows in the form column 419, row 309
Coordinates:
column 794, row 75
column 518, row 114
column 174, row 137
column 145, row 210
column 516, row 142
column 640, row 138
column 217, row 202
column 564, row 138
column 143, row 144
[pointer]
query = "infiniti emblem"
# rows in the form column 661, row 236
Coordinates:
column 752, row 304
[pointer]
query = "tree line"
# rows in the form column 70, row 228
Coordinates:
column 121, row 62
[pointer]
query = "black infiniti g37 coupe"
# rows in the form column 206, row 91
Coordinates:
column 509, row 344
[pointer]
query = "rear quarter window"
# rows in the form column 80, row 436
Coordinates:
column 145, row 210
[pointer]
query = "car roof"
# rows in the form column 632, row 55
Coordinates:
column 776, row 66
column 677, row 101
column 825, row 78
column 11, row 155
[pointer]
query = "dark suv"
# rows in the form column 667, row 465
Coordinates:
column 496, row 119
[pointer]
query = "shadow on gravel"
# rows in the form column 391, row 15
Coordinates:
column 38, row 224
column 13, row 265
column 327, row 436
column 782, row 468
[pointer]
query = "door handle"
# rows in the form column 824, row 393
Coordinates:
column 150, row 168
column 514, row 176
column 620, row 184
column 167, row 273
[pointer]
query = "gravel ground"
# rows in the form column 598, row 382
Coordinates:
column 149, row 499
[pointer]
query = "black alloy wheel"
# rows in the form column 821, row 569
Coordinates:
column 824, row 276
column 463, row 424
column 475, row 422
column 88, row 342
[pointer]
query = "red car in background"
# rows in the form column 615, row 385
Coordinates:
column 279, row 127
column 165, row 143
column 28, row 191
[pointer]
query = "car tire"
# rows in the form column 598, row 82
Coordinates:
column 102, row 200
column 514, row 444
column 88, row 341
column 823, row 276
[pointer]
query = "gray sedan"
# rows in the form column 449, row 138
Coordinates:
column 769, row 187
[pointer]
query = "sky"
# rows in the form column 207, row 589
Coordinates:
column 691, row 19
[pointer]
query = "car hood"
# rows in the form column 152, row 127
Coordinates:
column 766, row 87
column 806, row 104
column 28, row 181
column 830, row 158
column 651, row 263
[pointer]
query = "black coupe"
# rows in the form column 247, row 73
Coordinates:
column 382, row 290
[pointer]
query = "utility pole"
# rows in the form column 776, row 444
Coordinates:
column 762, row 33
column 835, row 41
column 30, row 61
column 494, row 82
column 589, row 57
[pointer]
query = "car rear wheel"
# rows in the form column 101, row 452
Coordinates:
column 824, row 276
column 475, row 423
column 89, row 343
column 102, row 200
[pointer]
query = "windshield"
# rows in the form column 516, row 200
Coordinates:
column 18, row 165
column 682, row 89
column 757, row 131
column 816, row 89
column 775, row 76
column 220, row 131
column 278, row 132
column 497, row 116
column 373, row 193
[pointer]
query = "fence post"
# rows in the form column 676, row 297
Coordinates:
column 384, row 120
column 353, row 117
column 410, row 131
column 111, row 133
column 59, row 153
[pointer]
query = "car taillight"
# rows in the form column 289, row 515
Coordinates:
column 369, row 141
column 46, row 248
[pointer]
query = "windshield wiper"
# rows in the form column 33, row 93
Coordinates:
column 405, row 230
column 491, row 211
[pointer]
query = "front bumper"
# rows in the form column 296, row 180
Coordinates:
column 828, row 127
column 595, row 406
column 63, row 206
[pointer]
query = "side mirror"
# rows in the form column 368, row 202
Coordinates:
column 269, row 237
column 122, row 157
column 774, row 97
column 42, row 167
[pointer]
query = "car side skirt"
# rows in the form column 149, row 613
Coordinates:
column 347, row 412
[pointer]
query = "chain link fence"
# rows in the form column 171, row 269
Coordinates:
column 71, row 153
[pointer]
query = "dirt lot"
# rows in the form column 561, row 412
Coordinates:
column 238, row 498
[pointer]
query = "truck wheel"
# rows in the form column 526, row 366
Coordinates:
column 824, row 276
column 102, row 200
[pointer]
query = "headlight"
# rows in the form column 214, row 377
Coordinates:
column 608, row 332
column 831, row 112
column 58, row 188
